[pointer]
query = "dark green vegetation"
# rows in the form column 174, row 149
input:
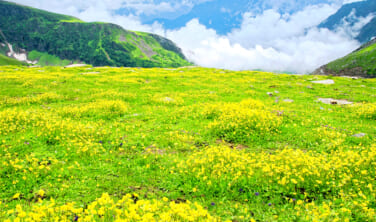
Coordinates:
column 361, row 62
column 61, row 38
column 243, row 145
column 360, row 9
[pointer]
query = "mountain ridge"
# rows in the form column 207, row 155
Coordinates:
column 95, row 43
column 351, row 14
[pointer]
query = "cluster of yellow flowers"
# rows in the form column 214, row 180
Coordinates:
column 293, row 172
column 239, row 121
column 344, row 209
column 25, row 170
column 28, row 100
column 54, row 129
column 365, row 110
column 12, row 120
column 160, row 98
column 128, row 208
column 101, row 108
column 330, row 139
column 112, row 94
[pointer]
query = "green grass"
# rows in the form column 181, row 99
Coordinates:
column 186, row 135
column 45, row 59
column 4, row 60
column 364, row 59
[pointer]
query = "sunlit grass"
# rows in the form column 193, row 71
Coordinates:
column 186, row 144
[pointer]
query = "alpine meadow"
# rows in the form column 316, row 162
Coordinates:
column 99, row 123
column 186, row 144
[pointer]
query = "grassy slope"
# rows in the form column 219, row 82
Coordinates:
column 4, row 60
column 363, row 59
column 187, row 135
column 44, row 59
column 71, row 39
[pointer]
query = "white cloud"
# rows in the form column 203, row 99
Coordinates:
column 352, row 1
column 301, row 54
column 269, row 41
column 351, row 24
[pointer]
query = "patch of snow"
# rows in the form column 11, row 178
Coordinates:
column 22, row 56
column 325, row 82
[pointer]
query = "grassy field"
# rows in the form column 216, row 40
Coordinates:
column 187, row 144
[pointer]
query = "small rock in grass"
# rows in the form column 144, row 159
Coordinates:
column 75, row 65
column 325, row 82
column 359, row 135
column 167, row 99
column 288, row 100
column 334, row 101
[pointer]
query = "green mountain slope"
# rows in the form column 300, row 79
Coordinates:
column 361, row 62
column 71, row 39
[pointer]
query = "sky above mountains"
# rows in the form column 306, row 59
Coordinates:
column 273, row 35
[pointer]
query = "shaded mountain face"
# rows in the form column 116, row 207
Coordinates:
column 361, row 62
column 351, row 14
column 68, row 38
column 224, row 15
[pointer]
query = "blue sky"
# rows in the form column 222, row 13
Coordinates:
column 274, row 35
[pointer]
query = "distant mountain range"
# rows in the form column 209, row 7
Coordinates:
column 351, row 14
column 40, row 37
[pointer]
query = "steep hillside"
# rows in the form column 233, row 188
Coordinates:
column 361, row 62
column 71, row 39
column 350, row 14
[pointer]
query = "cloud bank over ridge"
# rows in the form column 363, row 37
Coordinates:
column 269, row 41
